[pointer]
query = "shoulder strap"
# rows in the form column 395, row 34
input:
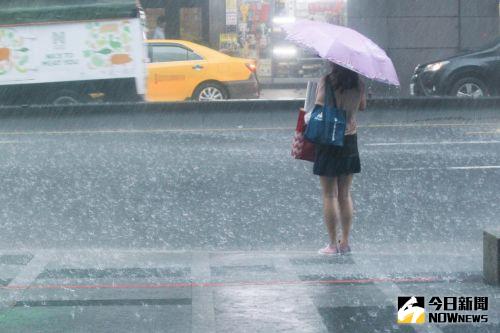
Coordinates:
column 329, row 93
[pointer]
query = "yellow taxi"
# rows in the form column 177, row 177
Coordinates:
column 180, row 70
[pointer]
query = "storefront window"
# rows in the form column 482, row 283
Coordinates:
column 191, row 24
column 253, row 31
column 155, row 16
column 178, row 19
column 247, row 29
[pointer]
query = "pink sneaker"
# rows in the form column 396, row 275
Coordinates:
column 329, row 250
column 344, row 249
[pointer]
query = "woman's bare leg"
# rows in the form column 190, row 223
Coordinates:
column 330, row 207
column 345, row 206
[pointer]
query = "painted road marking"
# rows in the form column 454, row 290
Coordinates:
column 30, row 272
column 25, row 278
column 307, row 308
column 381, row 144
column 234, row 129
column 146, row 131
column 476, row 167
column 426, row 125
column 391, row 291
column 203, row 309
column 497, row 131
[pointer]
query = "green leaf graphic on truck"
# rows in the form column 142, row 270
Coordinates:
column 13, row 53
column 108, row 44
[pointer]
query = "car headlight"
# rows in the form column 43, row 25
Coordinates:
column 285, row 52
column 436, row 66
column 283, row 19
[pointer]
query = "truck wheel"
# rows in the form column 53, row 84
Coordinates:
column 210, row 91
column 65, row 97
column 469, row 87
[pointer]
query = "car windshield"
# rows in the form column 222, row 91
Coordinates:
column 234, row 166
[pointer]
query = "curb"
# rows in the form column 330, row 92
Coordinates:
column 252, row 106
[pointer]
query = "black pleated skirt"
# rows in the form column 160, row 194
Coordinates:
column 333, row 161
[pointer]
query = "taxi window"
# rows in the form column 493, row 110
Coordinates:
column 168, row 53
column 193, row 56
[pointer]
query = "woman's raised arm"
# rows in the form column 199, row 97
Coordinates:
column 362, row 102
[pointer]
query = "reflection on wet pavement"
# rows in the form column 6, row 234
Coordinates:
column 157, row 291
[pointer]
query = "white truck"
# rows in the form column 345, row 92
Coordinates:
column 68, row 52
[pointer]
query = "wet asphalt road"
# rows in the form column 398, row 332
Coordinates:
column 235, row 188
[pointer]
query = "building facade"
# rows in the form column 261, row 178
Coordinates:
column 411, row 31
column 200, row 21
column 418, row 31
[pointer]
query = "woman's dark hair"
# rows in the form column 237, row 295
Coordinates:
column 343, row 78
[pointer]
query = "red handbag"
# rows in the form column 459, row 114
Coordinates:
column 301, row 148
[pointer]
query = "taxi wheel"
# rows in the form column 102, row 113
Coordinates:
column 210, row 91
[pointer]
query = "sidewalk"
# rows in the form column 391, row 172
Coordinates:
column 261, row 291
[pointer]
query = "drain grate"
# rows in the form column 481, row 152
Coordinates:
column 15, row 259
column 362, row 319
column 74, row 273
column 230, row 270
column 338, row 260
column 106, row 302
column 343, row 280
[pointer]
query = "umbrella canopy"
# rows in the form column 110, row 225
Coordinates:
column 345, row 47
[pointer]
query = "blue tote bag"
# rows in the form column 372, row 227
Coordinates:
column 327, row 123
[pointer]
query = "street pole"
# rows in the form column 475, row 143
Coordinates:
column 459, row 25
column 273, row 12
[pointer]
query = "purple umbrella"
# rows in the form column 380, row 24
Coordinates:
column 345, row 47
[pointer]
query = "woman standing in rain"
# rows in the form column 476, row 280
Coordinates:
column 336, row 165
